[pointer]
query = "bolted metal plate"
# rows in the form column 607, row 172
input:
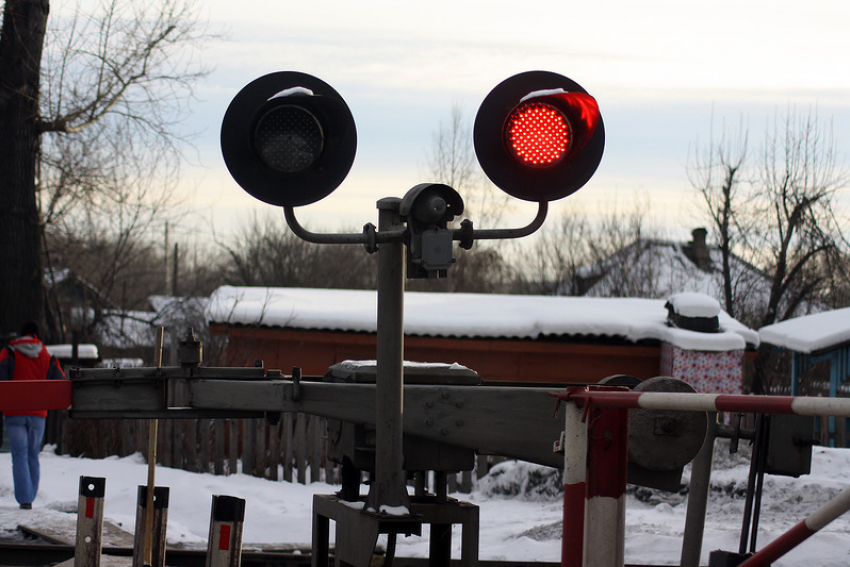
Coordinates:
column 661, row 440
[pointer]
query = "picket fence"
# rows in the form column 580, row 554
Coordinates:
column 291, row 448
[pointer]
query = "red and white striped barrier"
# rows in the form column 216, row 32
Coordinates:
column 595, row 465
column 801, row 532
column 838, row 407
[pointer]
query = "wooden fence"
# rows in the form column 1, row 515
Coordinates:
column 291, row 448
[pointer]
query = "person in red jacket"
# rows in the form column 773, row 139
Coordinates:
column 26, row 358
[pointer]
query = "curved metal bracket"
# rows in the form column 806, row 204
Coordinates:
column 462, row 233
column 366, row 238
column 370, row 238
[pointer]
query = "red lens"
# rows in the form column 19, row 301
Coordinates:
column 538, row 134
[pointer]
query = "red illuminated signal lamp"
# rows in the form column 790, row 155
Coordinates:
column 539, row 136
column 288, row 139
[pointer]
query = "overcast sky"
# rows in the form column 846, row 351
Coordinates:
column 658, row 68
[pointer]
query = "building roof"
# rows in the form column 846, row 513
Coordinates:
column 470, row 315
column 85, row 351
column 665, row 267
column 810, row 333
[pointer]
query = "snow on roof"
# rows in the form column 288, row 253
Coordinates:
column 84, row 351
column 810, row 333
column 471, row 315
column 690, row 304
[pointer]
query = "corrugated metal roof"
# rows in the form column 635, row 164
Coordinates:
column 469, row 315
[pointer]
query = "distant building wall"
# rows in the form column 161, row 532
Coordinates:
column 502, row 360
column 708, row 372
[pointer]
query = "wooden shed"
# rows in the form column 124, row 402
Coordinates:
column 505, row 338
column 819, row 339
column 819, row 348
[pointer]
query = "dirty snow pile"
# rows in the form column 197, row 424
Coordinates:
column 521, row 508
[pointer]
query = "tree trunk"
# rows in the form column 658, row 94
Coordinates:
column 21, row 273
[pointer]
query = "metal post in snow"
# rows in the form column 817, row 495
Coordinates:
column 89, row 522
column 698, row 497
column 224, row 548
column 575, row 486
column 160, row 523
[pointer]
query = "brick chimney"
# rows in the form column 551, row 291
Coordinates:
column 699, row 249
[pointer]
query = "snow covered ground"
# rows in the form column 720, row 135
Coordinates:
column 520, row 508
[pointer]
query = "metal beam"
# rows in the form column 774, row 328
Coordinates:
column 516, row 422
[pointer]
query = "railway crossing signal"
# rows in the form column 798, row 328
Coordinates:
column 539, row 136
column 288, row 139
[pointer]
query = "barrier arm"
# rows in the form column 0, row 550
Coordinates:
column 819, row 519
column 33, row 395
column 677, row 401
column 588, row 398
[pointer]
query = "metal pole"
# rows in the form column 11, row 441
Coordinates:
column 153, row 426
column 224, row 546
column 160, row 526
column 89, row 522
column 698, row 497
column 388, row 493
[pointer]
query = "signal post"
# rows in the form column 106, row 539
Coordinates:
column 289, row 140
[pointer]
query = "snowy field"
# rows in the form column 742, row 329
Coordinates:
column 520, row 508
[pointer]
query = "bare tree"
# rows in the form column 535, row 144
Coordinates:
column 452, row 161
column 778, row 212
column 623, row 253
column 614, row 255
column 552, row 264
column 718, row 174
column 88, row 109
column 797, row 185
column 267, row 253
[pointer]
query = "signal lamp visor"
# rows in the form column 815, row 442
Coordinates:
column 537, row 134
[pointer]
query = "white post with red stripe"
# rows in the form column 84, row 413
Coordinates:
column 819, row 519
column 607, row 467
column 224, row 548
column 159, row 526
column 595, row 468
column 89, row 522
column 575, row 486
